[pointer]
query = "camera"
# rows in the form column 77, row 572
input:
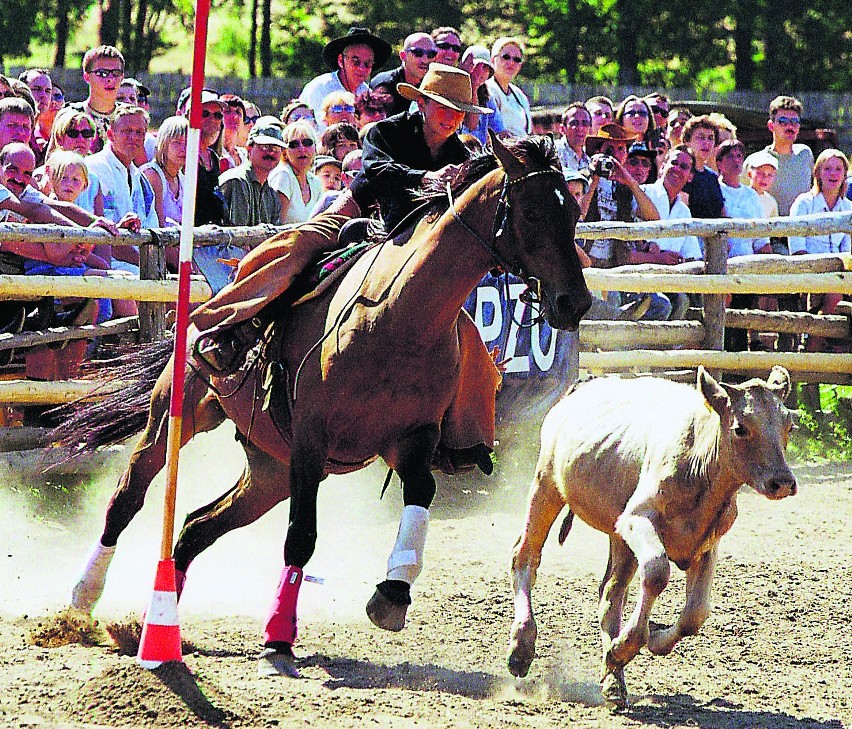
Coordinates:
column 603, row 166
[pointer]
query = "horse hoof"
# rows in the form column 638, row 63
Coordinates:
column 519, row 666
column 277, row 663
column 387, row 611
column 84, row 597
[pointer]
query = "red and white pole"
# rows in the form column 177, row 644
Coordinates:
column 152, row 650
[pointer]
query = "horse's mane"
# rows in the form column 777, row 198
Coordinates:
column 537, row 152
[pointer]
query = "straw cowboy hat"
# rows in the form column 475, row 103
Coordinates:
column 609, row 133
column 447, row 85
column 362, row 36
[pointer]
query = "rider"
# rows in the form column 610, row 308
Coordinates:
column 401, row 153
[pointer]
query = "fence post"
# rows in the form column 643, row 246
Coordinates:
column 152, row 314
column 715, row 262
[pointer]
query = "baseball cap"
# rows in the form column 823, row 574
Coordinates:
column 478, row 54
column 267, row 130
column 758, row 159
column 326, row 159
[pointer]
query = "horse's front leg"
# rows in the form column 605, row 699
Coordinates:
column 389, row 604
column 148, row 458
column 309, row 451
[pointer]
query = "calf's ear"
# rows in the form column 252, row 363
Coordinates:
column 715, row 395
column 779, row 382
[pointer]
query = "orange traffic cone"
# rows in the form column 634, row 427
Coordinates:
column 161, row 632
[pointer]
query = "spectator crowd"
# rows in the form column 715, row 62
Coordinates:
column 98, row 161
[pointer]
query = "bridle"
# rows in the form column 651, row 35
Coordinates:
column 532, row 295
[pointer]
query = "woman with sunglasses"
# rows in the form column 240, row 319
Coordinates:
column 507, row 56
column 337, row 107
column 448, row 44
column 209, row 206
column 635, row 115
column 73, row 131
column 298, row 188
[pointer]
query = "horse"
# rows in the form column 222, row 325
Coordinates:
column 366, row 369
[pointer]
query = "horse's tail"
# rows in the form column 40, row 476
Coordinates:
column 93, row 422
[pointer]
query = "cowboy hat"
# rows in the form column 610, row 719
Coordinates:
column 609, row 133
column 381, row 49
column 448, row 85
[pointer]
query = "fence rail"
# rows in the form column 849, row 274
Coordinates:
column 633, row 345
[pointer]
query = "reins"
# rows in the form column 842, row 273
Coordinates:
column 532, row 294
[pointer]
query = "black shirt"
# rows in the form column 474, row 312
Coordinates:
column 387, row 81
column 394, row 160
column 705, row 195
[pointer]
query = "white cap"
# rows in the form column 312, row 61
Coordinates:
column 758, row 159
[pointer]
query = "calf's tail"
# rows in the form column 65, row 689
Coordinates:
column 566, row 527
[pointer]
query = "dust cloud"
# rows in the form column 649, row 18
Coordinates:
column 49, row 525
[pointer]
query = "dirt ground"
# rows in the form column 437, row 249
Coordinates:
column 774, row 654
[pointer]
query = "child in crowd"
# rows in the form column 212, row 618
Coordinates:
column 761, row 169
column 330, row 172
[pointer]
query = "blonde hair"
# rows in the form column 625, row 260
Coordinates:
column 300, row 127
column 65, row 119
column 173, row 127
column 824, row 156
column 60, row 161
column 337, row 97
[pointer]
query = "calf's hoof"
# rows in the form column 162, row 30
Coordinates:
column 522, row 650
column 614, row 690
column 389, row 604
column 277, row 662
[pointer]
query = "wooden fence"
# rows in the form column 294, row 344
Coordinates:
column 606, row 346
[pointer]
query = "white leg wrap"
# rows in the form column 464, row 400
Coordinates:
column 90, row 586
column 406, row 559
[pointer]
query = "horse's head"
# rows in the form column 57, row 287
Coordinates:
column 536, row 238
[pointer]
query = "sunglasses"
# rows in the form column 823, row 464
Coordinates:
column 108, row 72
column 420, row 52
column 58, row 96
column 251, row 119
column 641, row 161
column 788, row 120
column 637, row 112
column 215, row 114
column 444, row 46
column 510, row 57
column 73, row 133
column 659, row 110
column 342, row 108
column 296, row 143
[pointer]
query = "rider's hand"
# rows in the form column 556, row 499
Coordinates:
column 442, row 176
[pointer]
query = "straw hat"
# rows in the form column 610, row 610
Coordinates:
column 609, row 133
column 447, row 85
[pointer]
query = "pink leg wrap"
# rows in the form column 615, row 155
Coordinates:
column 281, row 621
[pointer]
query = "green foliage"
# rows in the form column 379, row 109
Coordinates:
column 825, row 432
column 17, row 27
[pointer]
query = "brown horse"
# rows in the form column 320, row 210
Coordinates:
column 369, row 368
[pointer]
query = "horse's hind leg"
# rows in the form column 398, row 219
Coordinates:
column 201, row 413
column 388, row 605
column 264, row 483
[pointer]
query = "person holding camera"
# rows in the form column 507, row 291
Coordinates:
column 614, row 194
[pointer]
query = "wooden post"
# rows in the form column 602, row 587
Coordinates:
column 152, row 315
column 715, row 262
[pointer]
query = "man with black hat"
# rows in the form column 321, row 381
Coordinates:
column 352, row 59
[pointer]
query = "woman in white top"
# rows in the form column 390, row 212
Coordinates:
column 165, row 174
column 826, row 196
column 507, row 55
column 298, row 188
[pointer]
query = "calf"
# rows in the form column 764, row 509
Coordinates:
column 655, row 465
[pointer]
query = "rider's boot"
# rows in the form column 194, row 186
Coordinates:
column 223, row 352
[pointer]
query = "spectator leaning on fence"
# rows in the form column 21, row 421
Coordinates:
column 826, row 196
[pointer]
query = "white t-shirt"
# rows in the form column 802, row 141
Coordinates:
column 809, row 204
column 686, row 245
column 282, row 179
column 742, row 202
column 514, row 108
